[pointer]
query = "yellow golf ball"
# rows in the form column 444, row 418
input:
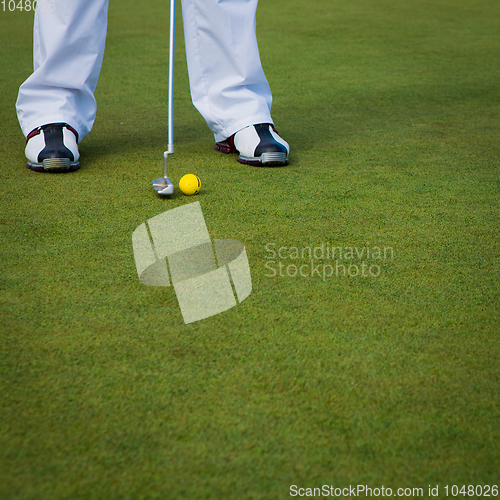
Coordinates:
column 190, row 184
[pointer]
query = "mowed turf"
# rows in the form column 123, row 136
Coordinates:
column 392, row 112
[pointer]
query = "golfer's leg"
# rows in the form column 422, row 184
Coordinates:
column 68, row 51
column 228, row 85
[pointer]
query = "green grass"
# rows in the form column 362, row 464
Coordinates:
column 391, row 110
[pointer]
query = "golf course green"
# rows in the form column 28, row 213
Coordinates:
column 367, row 354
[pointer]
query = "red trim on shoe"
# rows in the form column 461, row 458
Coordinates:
column 37, row 131
column 34, row 132
column 227, row 146
column 39, row 168
column 69, row 127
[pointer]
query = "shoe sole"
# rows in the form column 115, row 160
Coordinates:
column 265, row 160
column 54, row 165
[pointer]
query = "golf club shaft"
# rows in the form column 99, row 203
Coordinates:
column 171, row 54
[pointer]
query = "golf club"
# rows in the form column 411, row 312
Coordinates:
column 163, row 185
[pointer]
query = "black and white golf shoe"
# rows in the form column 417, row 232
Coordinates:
column 257, row 145
column 53, row 148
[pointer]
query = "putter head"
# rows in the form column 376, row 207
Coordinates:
column 163, row 186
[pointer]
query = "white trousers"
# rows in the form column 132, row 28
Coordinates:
column 228, row 85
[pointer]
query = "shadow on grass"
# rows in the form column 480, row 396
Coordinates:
column 114, row 138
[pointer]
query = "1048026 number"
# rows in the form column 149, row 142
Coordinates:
column 28, row 5
column 472, row 491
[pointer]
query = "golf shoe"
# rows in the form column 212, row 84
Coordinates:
column 53, row 148
column 257, row 145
